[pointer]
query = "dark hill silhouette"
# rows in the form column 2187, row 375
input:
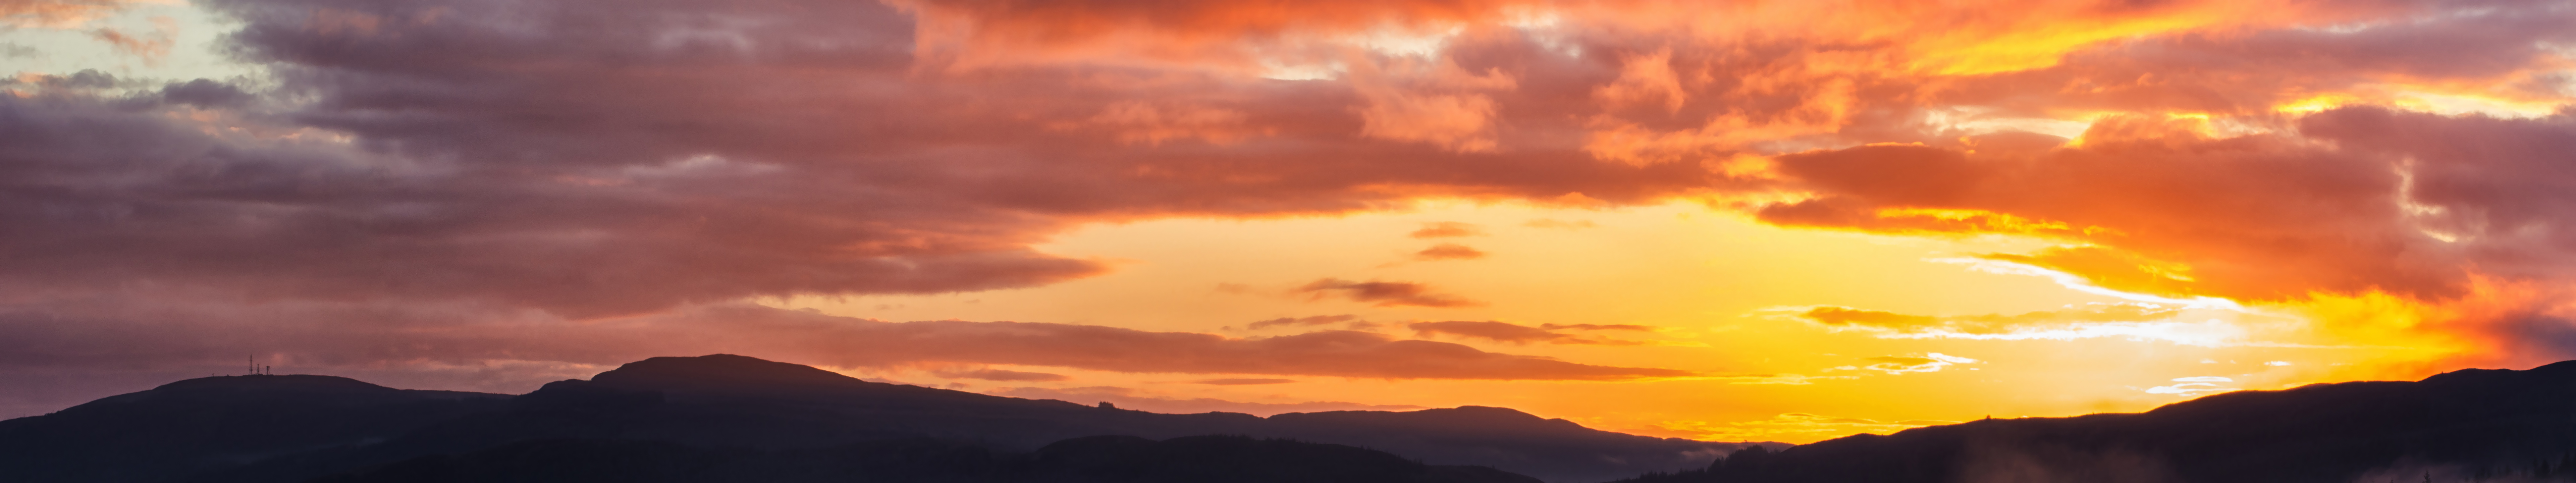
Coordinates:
column 763, row 407
column 728, row 373
column 1547, row 447
column 2469, row 425
column 218, row 422
column 1096, row 459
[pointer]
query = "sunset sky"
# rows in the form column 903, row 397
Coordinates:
column 1723, row 220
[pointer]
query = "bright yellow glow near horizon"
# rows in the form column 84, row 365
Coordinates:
column 1724, row 290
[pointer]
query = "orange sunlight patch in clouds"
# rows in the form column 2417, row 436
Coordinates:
column 2044, row 34
column 1679, row 287
column 1919, row 38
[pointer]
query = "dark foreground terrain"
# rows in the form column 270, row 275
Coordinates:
column 2471, row 425
column 1101, row 459
column 726, row 418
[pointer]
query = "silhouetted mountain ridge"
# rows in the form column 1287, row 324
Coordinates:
column 218, row 422
column 735, row 405
column 726, row 372
column 2473, row 424
column 1101, row 459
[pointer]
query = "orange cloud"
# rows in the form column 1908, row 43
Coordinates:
column 1449, row 251
column 2382, row 228
column 2251, row 217
column 57, row 14
column 1301, row 321
column 1242, row 381
column 151, row 48
column 1444, row 229
column 1634, row 327
column 999, row 375
column 1138, row 122
column 1989, row 323
column 1510, row 333
column 419, row 335
column 1386, row 294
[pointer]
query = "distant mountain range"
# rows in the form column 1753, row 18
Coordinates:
column 733, row 418
column 2484, row 425
column 724, row 418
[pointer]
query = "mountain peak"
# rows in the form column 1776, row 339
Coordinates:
column 257, row 388
column 720, row 371
column 1479, row 419
column 264, row 389
column 2556, row 370
column 298, row 427
column 268, row 382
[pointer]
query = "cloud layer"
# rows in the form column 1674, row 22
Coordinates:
column 461, row 181
column 66, row 340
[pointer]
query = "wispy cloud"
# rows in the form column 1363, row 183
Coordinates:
column 2138, row 321
column 1507, row 332
column 1129, row 398
column 1449, row 251
column 1926, row 362
column 1446, row 229
column 1386, row 294
column 1792, row 426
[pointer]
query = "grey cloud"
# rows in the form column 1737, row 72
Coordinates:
column 205, row 94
